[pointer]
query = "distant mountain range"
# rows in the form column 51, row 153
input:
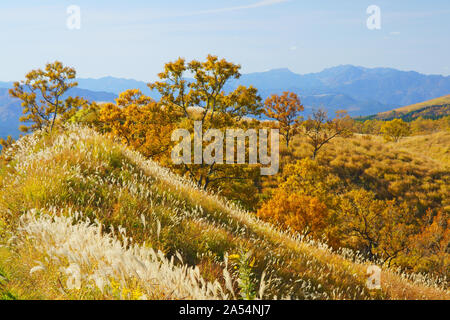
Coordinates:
column 361, row 91
column 11, row 110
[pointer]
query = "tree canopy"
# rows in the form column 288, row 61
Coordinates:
column 42, row 94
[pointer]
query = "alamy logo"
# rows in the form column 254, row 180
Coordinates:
column 214, row 152
column 373, row 278
column 74, row 18
column 374, row 20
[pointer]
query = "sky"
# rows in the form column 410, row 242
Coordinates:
column 134, row 38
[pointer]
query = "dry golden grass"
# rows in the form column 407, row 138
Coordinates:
column 413, row 170
column 435, row 146
column 434, row 102
column 80, row 170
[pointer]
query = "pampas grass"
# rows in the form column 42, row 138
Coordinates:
column 145, row 232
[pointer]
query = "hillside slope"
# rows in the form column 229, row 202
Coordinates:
column 445, row 100
column 434, row 108
column 83, row 217
column 435, row 146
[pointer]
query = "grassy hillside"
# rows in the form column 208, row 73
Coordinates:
column 83, row 217
column 432, row 109
column 413, row 169
column 434, row 146
column 445, row 100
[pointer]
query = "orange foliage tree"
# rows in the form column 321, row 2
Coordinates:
column 303, row 214
column 206, row 91
column 308, row 177
column 303, row 198
column 140, row 122
column 432, row 245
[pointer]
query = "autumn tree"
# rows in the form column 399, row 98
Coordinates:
column 304, row 198
column 298, row 212
column 308, row 177
column 6, row 143
column 285, row 110
column 206, row 90
column 377, row 228
column 320, row 130
column 42, row 95
column 371, row 127
column 432, row 244
column 88, row 115
column 395, row 129
column 140, row 122
column 215, row 107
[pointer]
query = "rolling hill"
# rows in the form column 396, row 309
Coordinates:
column 435, row 108
column 93, row 220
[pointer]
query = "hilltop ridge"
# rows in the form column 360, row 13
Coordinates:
column 434, row 109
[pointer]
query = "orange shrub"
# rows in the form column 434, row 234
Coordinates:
column 301, row 213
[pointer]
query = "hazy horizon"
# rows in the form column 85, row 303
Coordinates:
column 143, row 80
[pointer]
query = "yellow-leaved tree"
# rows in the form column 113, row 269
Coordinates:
column 205, row 98
column 378, row 229
column 395, row 129
column 303, row 199
column 140, row 122
column 43, row 96
column 298, row 212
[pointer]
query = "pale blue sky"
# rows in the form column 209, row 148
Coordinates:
column 134, row 38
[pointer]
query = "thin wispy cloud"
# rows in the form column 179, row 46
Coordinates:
column 259, row 4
